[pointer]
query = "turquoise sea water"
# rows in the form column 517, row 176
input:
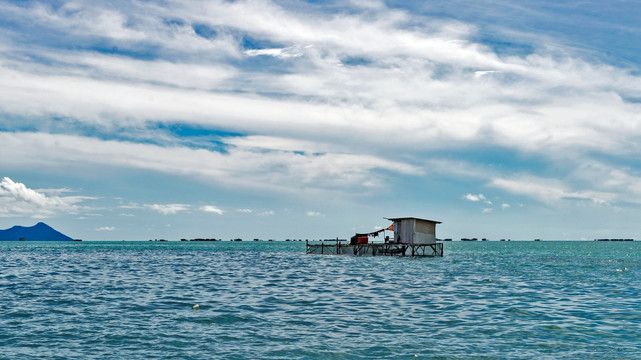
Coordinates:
column 267, row 300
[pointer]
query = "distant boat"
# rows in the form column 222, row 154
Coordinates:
column 468, row 239
column 537, row 239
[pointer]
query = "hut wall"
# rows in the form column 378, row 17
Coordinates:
column 404, row 231
column 421, row 238
column 425, row 232
column 425, row 227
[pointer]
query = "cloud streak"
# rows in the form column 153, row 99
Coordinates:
column 212, row 209
column 548, row 190
column 106, row 228
column 168, row 209
column 275, row 170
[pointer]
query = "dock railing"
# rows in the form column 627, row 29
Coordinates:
column 332, row 248
column 336, row 247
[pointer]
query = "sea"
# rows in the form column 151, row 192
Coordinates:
column 269, row 300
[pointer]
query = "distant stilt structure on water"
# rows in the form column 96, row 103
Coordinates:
column 412, row 237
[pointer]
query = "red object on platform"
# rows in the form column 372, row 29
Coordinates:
column 362, row 240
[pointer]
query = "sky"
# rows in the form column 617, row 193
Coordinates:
column 144, row 119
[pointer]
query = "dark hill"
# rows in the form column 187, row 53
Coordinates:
column 38, row 232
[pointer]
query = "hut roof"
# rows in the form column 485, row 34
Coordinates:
column 411, row 217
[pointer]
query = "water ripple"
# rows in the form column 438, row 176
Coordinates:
column 270, row 301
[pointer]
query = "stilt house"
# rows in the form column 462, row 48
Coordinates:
column 414, row 231
column 412, row 237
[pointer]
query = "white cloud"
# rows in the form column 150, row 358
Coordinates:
column 20, row 192
column 16, row 199
column 274, row 143
column 246, row 211
column 106, row 228
column 481, row 73
column 475, row 198
column 314, row 214
column 77, row 18
column 290, row 52
column 486, row 210
column 240, row 167
column 505, row 206
column 212, row 209
column 398, row 92
column 549, row 190
column 267, row 213
column 168, row 209
column 191, row 76
column 131, row 206
column 368, row 4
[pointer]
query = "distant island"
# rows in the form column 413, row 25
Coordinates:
column 38, row 232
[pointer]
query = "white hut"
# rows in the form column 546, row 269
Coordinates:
column 414, row 231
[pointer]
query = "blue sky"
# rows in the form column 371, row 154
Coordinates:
column 291, row 119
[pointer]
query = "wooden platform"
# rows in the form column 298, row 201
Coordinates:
column 375, row 249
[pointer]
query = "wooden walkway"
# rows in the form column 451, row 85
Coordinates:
column 375, row 249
